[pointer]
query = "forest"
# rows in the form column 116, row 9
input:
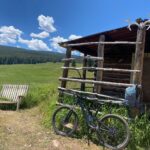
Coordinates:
column 13, row 55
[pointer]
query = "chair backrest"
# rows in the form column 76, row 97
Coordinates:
column 12, row 92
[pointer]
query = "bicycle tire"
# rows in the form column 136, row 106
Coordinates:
column 73, row 114
column 108, row 136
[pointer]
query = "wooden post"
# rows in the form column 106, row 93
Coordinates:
column 139, row 56
column 65, row 73
column 84, row 73
column 100, row 53
column 66, row 64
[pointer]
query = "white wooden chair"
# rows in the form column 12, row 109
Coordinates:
column 13, row 94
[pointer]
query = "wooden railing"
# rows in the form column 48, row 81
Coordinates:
column 102, row 69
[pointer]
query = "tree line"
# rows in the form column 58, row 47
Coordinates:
column 29, row 60
column 11, row 55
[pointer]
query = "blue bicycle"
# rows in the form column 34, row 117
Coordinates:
column 111, row 130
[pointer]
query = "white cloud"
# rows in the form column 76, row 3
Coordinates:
column 9, row 34
column 73, row 37
column 59, row 39
column 35, row 44
column 77, row 53
column 55, row 45
column 41, row 35
column 46, row 23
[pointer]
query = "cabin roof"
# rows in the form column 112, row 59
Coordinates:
column 119, row 34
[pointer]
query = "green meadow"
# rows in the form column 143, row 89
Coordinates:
column 41, row 78
column 43, row 82
column 46, row 73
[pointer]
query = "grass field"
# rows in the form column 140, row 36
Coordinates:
column 41, row 78
column 43, row 82
column 46, row 73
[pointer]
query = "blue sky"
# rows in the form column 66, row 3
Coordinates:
column 41, row 24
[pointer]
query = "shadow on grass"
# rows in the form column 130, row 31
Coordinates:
column 6, row 107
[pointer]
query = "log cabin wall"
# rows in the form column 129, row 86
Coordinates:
column 146, row 70
column 146, row 78
column 121, row 58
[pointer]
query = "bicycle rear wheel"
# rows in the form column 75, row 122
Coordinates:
column 64, row 121
column 113, row 132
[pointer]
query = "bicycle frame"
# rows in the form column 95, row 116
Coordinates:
column 89, row 117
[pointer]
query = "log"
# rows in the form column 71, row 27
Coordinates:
column 102, row 69
column 68, row 59
column 65, row 71
column 139, row 56
column 96, row 43
column 84, row 73
column 99, row 73
column 94, row 58
column 90, row 93
column 96, row 82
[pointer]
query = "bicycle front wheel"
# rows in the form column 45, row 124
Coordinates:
column 113, row 132
column 64, row 121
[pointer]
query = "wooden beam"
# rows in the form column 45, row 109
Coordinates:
column 96, row 82
column 102, row 69
column 90, row 93
column 99, row 73
column 94, row 58
column 139, row 56
column 96, row 43
column 84, row 73
column 68, row 59
column 66, row 64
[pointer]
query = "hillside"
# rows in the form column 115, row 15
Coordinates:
column 13, row 55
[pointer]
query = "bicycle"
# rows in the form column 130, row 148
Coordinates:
column 111, row 130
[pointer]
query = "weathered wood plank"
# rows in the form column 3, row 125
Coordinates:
column 68, row 59
column 13, row 93
column 96, row 43
column 99, row 73
column 84, row 73
column 7, row 102
column 94, row 58
column 102, row 69
column 90, row 93
column 96, row 82
column 65, row 71
column 139, row 56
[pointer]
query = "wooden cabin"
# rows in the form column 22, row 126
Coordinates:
column 122, row 59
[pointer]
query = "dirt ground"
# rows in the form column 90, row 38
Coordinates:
column 23, row 131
